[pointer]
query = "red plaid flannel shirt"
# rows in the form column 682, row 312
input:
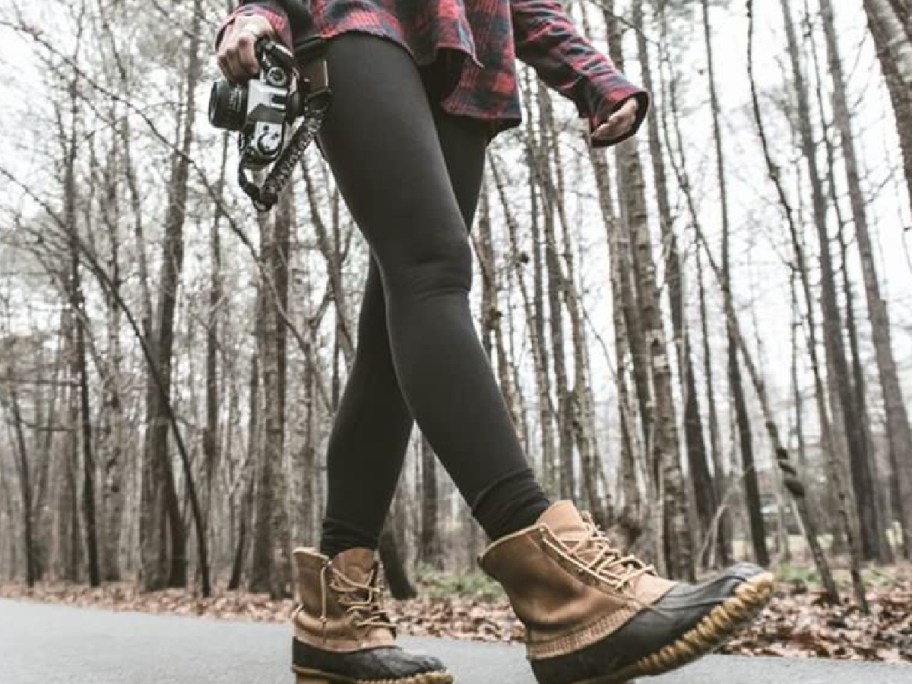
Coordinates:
column 492, row 33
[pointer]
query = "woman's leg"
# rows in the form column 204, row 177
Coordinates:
column 371, row 431
column 381, row 141
column 369, row 437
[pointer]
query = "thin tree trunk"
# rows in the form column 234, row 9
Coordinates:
column 112, row 432
column 894, row 50
column 745, row 438
column 271, row 545
column 246, row 508
column 546, row 409
column 25, row 484
column 69, row 524
column 393, row 568
column 898, row 428
column 492, row 316
column 833, row 448
column 724, row 533
column 705, row 495
column 555, row 279
column 832, row 319
column 79, row 365
column 665, row 453
column 210, row 432
column 581, row 400
column 430, row 548
column 172, row 265
column 530, row 305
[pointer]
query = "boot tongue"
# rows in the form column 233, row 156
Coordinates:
column 356, row 564
column 574, row 531
column 565, row 522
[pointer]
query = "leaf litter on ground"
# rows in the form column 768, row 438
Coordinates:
column 797, row 623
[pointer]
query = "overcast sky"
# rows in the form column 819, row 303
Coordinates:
column 761, row 239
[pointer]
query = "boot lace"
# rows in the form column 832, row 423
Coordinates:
column 594, row 554
column 362, row 601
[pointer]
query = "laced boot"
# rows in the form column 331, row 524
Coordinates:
column 342, row 634
column 596, row 616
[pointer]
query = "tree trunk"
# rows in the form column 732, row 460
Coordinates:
column 78, row 364
column 430, row 548
column 172, row 265
column 898, row 429
column 112, row 431
column 547, row 411
column 25, row 484
column 633, row 518
column 535, row 331
column 745, row 437
column 68, row 530
column 492, row 317
column 393, row 569
column 724, row 532
column 210, row 431
column 246, row 507
column 555, row 281
column 832, row 319
column 272, row 544
column 894, row 50
column 704, row 492
column 581, row 400
column 831, row 447
column 665, row 454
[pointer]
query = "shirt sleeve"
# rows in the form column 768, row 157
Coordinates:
column 271, row 10
column 547, row 40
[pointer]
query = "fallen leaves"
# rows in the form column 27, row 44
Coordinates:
column 797, row 623
column 125, row 597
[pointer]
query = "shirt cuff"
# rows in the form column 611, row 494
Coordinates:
column 643, row 100
column 599, row 101
column 271, row 11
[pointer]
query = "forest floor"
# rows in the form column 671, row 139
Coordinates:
column 797, row 623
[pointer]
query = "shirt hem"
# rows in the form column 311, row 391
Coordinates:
column 496, row 123
column 333, row 32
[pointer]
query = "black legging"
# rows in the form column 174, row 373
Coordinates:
column 410, row 175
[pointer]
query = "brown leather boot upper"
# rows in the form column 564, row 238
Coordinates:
column 567, row 584
column 339, row 601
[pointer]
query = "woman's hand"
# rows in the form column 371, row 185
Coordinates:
column 618, row 124
column 236, row 53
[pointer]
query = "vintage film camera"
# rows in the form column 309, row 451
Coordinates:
column 262, row 112
column 261, row 108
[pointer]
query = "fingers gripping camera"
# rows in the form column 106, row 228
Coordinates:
column 261, row 109
column 288, row 87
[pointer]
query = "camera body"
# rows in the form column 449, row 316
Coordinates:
column 261, row 109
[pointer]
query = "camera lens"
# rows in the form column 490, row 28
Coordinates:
column 228, row 106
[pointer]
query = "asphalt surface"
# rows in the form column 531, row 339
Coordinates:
column 48, row 644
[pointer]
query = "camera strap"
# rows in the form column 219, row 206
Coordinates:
column 309, row 53
column 266, row 196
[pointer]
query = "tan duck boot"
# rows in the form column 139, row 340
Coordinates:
column 595, row 616
column 342, row 634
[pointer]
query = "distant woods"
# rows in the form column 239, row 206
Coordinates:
column 702, row 335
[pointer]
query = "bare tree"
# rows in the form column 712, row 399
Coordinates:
column 900, row 434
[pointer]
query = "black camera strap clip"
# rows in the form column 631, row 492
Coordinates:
column 310, row 102
column 265, row 197
column 315, row 99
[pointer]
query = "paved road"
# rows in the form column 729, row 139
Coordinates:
column 46, row 644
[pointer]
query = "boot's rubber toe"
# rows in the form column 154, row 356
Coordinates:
column 685, row 624
column 384, row 665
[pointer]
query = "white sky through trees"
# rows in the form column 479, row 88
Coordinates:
column 759, row 243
